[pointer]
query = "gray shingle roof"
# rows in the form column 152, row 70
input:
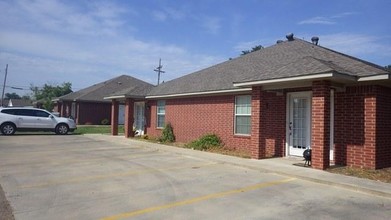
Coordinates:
column 123, row 84
column 282, row 60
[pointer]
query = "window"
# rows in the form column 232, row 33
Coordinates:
column 9, row 111
column 243, row 114
column 25, row 112
column 161, row 113
column 41, row 114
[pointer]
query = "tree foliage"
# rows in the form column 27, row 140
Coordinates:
column 46, row 93
column 12, row 96
column 258, row 47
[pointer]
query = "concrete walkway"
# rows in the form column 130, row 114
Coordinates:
column 291, row 167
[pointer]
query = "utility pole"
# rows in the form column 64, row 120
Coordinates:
column 159, row 70
column 5, row 80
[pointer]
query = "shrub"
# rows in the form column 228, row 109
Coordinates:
column 167, row 134
column 205, row 142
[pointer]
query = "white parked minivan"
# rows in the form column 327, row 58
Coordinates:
column 14, row 119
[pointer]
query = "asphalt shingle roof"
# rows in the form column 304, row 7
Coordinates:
column 122, row 84
column 282, row 60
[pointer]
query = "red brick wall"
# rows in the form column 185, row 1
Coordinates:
column 194, row 117
column 320, row 132
column 257, row 144
column 355, row 127
column 273, row 123
column 383, row 127
column 93, row 113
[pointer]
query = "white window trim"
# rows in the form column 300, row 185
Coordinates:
column 235, row 115
column 160, row 114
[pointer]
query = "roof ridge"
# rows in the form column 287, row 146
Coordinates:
column 97, row 86
column 345, row 55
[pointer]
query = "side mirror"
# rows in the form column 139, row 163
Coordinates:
column 51, row 116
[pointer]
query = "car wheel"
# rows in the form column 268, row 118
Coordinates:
column 62, row 129
column 8, row 129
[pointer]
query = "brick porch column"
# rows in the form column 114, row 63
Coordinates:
column 114, row 117
column 320, row 134
column 60, row 108
column 129, row 117
column 257, row 145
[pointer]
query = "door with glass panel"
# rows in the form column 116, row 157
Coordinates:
column 139, row 117
column 299, row 123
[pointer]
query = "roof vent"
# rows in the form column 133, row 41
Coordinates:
column 279, row 41
column 315, row 40
column 289, row 37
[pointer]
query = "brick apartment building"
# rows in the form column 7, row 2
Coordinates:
column 276, row 102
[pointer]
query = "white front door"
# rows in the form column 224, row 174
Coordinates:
column 299, row 123
column 139, row 120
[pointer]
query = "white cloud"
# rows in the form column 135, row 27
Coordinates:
column 317, row 20
column 330, row 20
column 97, row 18
column 59, row 43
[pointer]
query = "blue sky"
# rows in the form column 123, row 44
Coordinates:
column 87, row 42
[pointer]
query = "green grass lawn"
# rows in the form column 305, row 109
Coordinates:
column 96, row 129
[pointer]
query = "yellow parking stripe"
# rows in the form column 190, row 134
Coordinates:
column 197, row 199
column 120, row 174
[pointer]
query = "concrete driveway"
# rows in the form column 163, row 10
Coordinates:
column 104, row 177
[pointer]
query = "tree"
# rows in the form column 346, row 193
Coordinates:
column 26, row 97
column 46, row 93
column 244, row 52
column 12, row 96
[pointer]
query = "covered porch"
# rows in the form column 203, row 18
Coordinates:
column 134, row 116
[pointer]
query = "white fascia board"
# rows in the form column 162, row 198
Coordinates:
column 289, row 79
column 115, row 97
column 198, row 93
column 373, row 78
